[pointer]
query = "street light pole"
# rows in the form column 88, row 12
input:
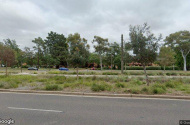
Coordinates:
column 121, row 53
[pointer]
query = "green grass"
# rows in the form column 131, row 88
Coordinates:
column 51, row 87
column 120, row 84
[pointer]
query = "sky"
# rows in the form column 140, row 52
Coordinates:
column 24, row 20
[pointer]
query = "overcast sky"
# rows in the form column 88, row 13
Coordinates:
column 24, row 20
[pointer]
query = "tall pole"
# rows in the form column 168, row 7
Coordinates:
column 121, row 53
column 38, row 58
column 6, row 69
column 111, row 62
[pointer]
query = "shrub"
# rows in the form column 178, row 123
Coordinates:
column 94, row 77
column 171, row 74
column 153, row 68
column 151, row 73
column 110, row 73
column 66, row 85
column 136, row 73
column 158, row 91
column 54, row 72
column 169, row 85
column 97, row 87
column 160, row 73
column 101, row 87
column 137, row 82
column 42, row 80
column 144, row 89
column 135, row 91
column 91, row 73
column 59, row 82
column 159, row 86
column 120, row 85
column 52, row 87
column 1, row 85
column 170, row 68
column 26, row 66
column 134, row 68
column 10, row 85
column 150, row 68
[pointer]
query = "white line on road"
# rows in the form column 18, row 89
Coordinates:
column 30, row 109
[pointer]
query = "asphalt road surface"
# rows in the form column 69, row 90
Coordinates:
column 33, row 109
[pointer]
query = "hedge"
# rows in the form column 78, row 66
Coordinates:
column 147, row 68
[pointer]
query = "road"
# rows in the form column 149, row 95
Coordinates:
column 35, row 109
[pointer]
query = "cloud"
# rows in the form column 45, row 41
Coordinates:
column 24, row 20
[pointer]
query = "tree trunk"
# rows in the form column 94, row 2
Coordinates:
column 164, row 68
column 21, row 67
column 184, row 61
column 6, row 69
column 111, row 63
column 101, row 62
column 125, row 66
column 121, row 53
column 77, row 73
column 38, row 58
column 184, row 68
column 147, row 81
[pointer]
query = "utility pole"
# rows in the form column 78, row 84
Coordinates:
column 38, row 58
column 121, row 53
column 111, row 62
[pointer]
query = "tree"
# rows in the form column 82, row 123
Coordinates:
column 57, row 47
column 166, row 56
column 179, row 60
column 39, row 48
column 93, row 58
column 18, row 52
column 144, row 45
column 12, row 44
column 28, row 56
column 7, row 55
column 180, row 41
column 101, row 47
column 78, row 50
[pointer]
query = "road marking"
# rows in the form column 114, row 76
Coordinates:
column 86, row 96
column 30, row 109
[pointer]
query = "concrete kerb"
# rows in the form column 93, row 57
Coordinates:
column 97, row 94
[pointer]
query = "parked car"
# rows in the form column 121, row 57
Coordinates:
column 63, row 69
column 32, row 68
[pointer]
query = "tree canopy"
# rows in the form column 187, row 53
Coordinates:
column 181, row 42
column 144, row 45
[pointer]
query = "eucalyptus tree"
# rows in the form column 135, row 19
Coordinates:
column 39, row 48
column 78, row 50
column 144, row 45
column 28, row 56
column 101, row 47
column 181, row 42
column 166, row 56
